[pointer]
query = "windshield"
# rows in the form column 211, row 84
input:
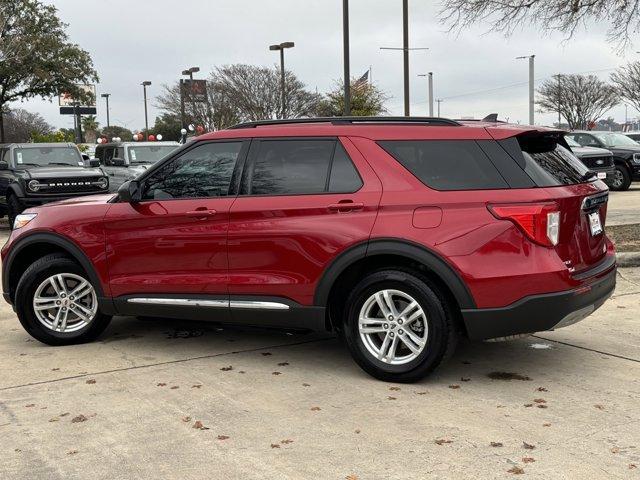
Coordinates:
column 149, row 153
column 571, row 142
column 614, row 139
column 46, row 156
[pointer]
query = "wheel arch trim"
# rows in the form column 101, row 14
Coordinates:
column 393, row 246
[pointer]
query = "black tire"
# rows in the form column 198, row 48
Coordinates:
column 14, row 208
column 38, row 272
column 442, row 333
column 622, row 179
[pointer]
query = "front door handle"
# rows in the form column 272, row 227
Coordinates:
column 345, row 206
column 201, row 213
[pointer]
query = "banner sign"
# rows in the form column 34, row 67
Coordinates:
column 194, row 90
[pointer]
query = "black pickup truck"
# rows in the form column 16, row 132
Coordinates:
column 37, row 173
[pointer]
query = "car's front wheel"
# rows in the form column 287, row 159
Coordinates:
column 398, row 327
column 57, row 304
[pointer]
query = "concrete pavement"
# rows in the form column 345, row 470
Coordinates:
column 624, row 207
column 267, row 404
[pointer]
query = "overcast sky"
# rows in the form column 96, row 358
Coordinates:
column 133, row 41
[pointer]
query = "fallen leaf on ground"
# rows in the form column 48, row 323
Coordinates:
column 391, row 398
column 496, row 444
column 539, row 400
column 306, row 384
column 286, row 441
column 196, row 386
column 516, row 470
column 161, row 385
column 454, row 387
column 78, row 419
column 542, row 389
column 528, row 405
column 283, row 364
column 351, row 477
column 54, row 419
column 72, row 452
column 198, row 424
column 442, row 441
column 222, row 437
column 615, row 450
column 394, row 389
column 599, row 407
column 175, row 387
column 315, row 409
column 227, row 369
column 542, row 406
column 528, row 446
column 276, row 373
column 265, row 354
column 30, row 405
column 186, row 419
column 275, row 445
column 528, row 459
column 64, row 414
column 55, row 369
column 546, row 424
column 507, row 376
column 91, row 381
column 357, row 431
column 462, row 379
column 421, row 393
column 632, row 466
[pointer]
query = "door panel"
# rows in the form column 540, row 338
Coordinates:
column 280, row 245
column 174, row 240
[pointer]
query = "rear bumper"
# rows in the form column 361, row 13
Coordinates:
column 537, row 313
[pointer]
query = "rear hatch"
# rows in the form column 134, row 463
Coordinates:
column 581, row 198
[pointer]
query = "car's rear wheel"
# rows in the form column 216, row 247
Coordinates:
column 398, row 327
column 621, row 178
column 57, row 304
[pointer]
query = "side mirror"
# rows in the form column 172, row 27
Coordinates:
column 94, row 162
column 130, row 192
column 117, row 162
column 4, row 165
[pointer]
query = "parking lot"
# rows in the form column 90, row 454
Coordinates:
column 157, row 398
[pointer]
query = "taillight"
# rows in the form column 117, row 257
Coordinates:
column 539, row 221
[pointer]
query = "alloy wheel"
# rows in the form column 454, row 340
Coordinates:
column 393, row 327
column 65, row 303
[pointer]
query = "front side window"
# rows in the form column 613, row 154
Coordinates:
column 149, row 153
column 446, row 164
column 47, row 156
column 612, row 139
column 293, row 167
column 201, row 172
column 584, row 139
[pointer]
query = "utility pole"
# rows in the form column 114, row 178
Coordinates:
column 281, row 47
column 183, row 83
column 145, row 84
column 106, row 97
column 405, row 47
column 439, row 102
column 430, row 92
column 346, row 59
column 532, row 102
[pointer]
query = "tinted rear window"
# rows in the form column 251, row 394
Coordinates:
column 549, row 163
column 447, row 164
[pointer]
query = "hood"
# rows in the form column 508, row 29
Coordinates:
column 88, row 200
column 64, row 172
column 626, row 149
column 590, row 152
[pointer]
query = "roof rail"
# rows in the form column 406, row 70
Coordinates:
column 432, row 121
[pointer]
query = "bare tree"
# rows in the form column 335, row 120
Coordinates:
column 627, row 80
column 21, row 126
column 580, row 99
column 238, row 93
column 621, row 16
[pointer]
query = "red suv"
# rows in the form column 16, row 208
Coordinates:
column 402, row 234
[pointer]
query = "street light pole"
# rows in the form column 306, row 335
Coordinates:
column 188, row 72
column 439, row 102
column 106, row 97
column 347, row 66
column 405, row 48
column 532, row 102
column 281, row 47
column 145, row 84
column 430, row 90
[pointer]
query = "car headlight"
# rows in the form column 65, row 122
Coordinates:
column 23, row 219
column 636, row 158
column 102, row 183
column 34, row 185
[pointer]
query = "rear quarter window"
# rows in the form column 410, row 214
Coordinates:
column 446, row 164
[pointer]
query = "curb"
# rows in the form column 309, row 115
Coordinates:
column 628, row 259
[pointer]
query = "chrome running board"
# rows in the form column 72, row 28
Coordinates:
column 194, row 302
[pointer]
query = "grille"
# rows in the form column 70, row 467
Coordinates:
column 598, row 162
column 68, row 185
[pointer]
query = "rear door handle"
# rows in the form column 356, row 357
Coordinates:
column 345, row 206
